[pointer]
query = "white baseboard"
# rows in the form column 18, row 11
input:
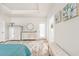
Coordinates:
column 56, row 50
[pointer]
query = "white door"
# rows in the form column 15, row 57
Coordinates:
column 2, row 31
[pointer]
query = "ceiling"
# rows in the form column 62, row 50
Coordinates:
column 29, row 9
column 21, row 6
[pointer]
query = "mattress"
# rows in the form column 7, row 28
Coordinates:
column 14, row 50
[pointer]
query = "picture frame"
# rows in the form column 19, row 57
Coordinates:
column 58, row 17
column 69, row 11
column 77, row 9
column 61, row 15
column 65, row 13
column 72, row 10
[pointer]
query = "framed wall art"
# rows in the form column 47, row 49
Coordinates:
column 58, row 17
column 65, row 13
column 69, row 11
column 78, row 9
column 61, row 15
column 72, row 10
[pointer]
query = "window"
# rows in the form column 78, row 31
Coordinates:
column 42, row 30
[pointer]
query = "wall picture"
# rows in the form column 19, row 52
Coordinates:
column 78, row 9
column 72, row 10
column 65, row 13
column 61, row 15
column 69, row 11
column 58, row 18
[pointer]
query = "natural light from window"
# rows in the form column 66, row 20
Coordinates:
column 42, row 30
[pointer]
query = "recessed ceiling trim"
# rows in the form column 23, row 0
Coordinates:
column 24, row 11
column 37, row 10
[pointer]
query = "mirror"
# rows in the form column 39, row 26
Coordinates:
column 30, row 26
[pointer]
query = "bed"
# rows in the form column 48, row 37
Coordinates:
column 14, row 50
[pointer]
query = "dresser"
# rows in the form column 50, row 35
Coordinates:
column 29, row 35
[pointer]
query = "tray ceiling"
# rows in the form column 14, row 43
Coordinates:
column 31, row 9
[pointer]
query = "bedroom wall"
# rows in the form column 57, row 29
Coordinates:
column 25, row 20
column 4, row 20
column 50, row 20
column 67, row 34
column 51, row 31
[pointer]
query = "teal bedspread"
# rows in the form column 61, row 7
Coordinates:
column 14, row 50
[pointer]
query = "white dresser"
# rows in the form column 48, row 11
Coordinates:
column 29, row 35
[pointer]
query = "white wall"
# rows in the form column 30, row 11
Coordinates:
column 25, row 20
column 50, row 20
column 67, row 34
column 4, row 20
column 51, row 32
